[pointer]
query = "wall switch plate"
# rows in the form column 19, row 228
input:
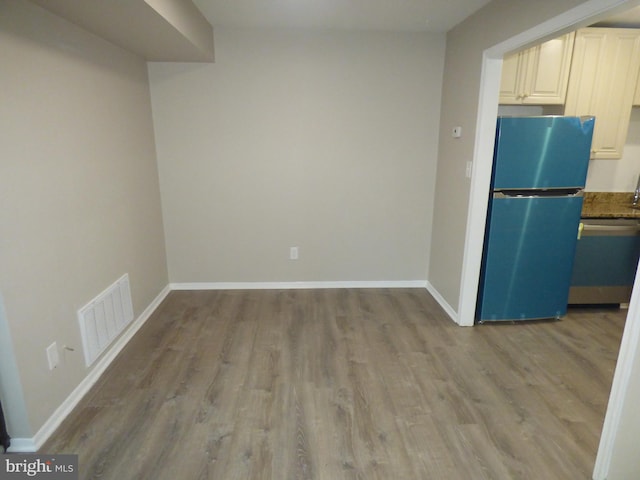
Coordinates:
column 456, row 132
column 52, row 356
column 293, row 253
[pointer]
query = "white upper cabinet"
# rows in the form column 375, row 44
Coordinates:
column 604, row 73
column 539, row 75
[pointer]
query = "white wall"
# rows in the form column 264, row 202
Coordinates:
column 11, row 392
column 619, row 175
column 326, row 141
column 618, row 457
column 78, row 188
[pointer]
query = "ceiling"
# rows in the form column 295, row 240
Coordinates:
column 382, row 15
column 156, row 29
column 146, row 27
column 628, row 19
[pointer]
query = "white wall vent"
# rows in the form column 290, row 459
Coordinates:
column 104, row 317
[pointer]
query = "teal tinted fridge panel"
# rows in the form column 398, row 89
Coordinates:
column 528, row 257
column 542, row 152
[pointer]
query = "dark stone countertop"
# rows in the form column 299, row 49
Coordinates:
column 609, row 205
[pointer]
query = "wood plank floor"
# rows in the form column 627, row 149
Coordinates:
column 345, row 384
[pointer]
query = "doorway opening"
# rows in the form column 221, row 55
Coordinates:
column 583, row 15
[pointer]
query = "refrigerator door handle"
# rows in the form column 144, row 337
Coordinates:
column 556, row 193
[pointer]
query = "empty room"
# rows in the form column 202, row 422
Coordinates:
column 250, row 240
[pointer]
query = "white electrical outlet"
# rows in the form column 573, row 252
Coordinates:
column 293, row 253
column 52, row 356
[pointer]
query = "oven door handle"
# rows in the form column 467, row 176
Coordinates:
column 615, row 230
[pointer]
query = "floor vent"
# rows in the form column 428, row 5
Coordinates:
column 104, row 317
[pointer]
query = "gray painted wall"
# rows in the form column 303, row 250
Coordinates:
column 326, row 141
column 79, row 191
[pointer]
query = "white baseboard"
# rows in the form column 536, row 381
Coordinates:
column 442, row 302
column 22, row 445
column 54, row 421
column 297, row 285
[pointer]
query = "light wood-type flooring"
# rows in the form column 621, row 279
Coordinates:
column 345, row 384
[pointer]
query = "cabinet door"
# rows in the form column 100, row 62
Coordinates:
column 512, row 76
column 602, row 83
column 539, row 75
column 548, row 71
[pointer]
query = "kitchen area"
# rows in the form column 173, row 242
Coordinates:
column 591, row 72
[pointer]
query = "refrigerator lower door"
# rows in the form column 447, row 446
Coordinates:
column 528, row 257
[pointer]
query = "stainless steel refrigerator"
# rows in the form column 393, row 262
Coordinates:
column 539, row 172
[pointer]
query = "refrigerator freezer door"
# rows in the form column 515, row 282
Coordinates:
column 542, row 152
column 528, row 257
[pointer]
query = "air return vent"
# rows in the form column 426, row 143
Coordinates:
column 104, row 317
